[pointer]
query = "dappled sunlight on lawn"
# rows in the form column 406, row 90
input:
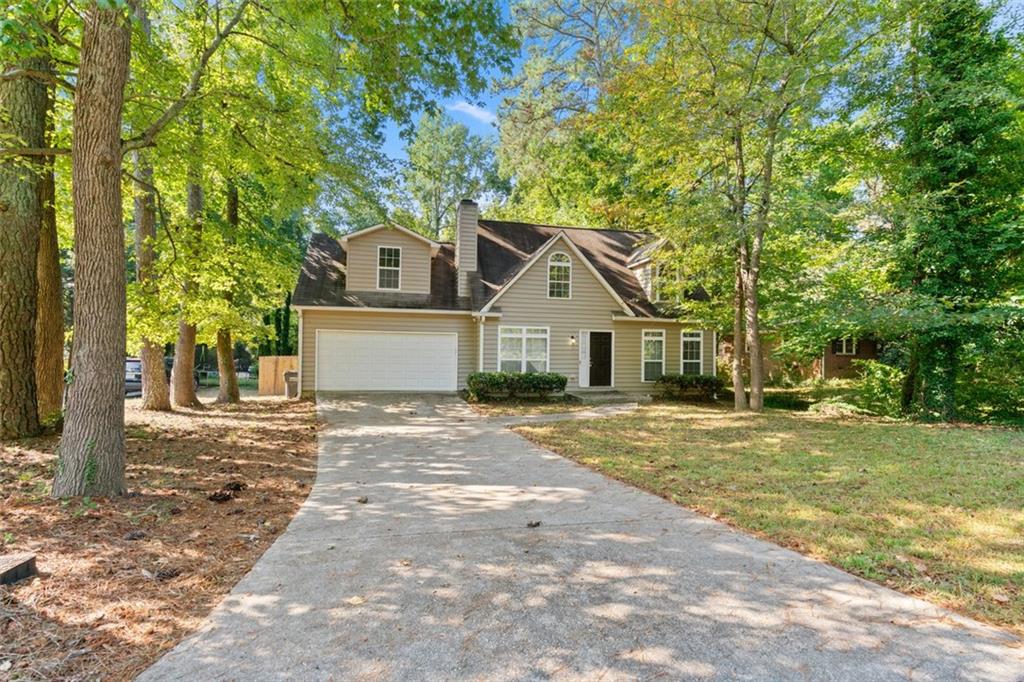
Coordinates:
column 935, row 511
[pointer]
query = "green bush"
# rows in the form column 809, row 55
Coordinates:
column 879, row 388
column 482, row 385
column 678, row 386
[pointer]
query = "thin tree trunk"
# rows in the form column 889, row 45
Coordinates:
column 156, row 391
column 183, row 372
column 92, row 458
column 22, row 118
column 910, row 381
column 754, row 351
column 738, row 346
column 228, row 383
column 50, row 298
column 228, row 390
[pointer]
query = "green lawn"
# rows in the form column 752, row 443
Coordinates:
column 932, row 511
column 526, row 406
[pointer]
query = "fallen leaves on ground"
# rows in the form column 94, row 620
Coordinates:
column 122, row 580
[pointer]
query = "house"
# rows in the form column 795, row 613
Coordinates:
column 387, row 309
column 836, row 361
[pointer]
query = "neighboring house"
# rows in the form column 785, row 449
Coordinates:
column 388, row 309
column 836, row 362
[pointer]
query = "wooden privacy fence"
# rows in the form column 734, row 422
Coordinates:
column 272, row 369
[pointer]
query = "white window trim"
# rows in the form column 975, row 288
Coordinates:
column 401, row 259
column 524, row 336
column 588, row 332
column 567, row 264
column 700, row 340
column 843, row 342
column 664, row 352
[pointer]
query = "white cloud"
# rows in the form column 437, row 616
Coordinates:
column 473, row 111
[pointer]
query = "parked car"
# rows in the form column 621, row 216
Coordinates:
column 133, row 376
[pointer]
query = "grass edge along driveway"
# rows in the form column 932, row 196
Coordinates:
column 932, row 511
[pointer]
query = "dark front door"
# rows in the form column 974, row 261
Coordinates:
column 600, row 358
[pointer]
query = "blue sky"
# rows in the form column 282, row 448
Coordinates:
column 478, row 113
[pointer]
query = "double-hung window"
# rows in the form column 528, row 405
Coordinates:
column 389, row 267
column 690, row 349
column 654, row 354
column 847, row 346
column 523, row 349
column 559, row 276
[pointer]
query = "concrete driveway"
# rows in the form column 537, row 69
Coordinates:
column 438, row 577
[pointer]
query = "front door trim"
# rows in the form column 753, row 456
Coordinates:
column 584, row 379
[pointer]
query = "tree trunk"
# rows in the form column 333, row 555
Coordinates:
column 183, row 372
column 754, row 343
column 22, row 119
column 50, row 298
column 156, row 393
column 92, row 458
column 938, row 369
column 228, row 383
column 738, row 346
column 228, row 391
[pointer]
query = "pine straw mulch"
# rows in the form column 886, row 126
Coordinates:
column 122, row 580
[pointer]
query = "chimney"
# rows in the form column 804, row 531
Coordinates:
column 466, row 218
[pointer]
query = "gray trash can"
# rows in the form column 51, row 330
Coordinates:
column 291, row 384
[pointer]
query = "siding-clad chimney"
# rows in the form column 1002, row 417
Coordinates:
column 466, row 218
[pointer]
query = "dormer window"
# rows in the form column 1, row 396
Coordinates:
column 559, row 276
column 389, row 267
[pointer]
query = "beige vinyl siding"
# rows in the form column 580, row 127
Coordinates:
column 312, row 320
column 526, row 303
column 361, row 261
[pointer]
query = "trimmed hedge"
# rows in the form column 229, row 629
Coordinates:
column 702, row 386
column 481, row 385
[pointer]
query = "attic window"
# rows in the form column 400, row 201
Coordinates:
column 389, row 267
column 559, row 276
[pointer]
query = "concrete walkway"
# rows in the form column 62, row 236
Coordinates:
column 438, row 577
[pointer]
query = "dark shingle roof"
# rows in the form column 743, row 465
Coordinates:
column 502, row 249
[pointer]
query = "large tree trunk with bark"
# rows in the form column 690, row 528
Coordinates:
column 228, row 383
column 738, row 346
column 183, row 391
column 23, row 119
column 50, row 303
column 156, row 392
column 92, row 458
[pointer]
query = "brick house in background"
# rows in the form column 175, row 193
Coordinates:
column 835, row 362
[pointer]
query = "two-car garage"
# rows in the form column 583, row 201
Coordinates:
column 348, row 360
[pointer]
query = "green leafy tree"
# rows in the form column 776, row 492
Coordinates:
column 445, row 163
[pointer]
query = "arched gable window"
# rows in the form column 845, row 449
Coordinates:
column 559, row 276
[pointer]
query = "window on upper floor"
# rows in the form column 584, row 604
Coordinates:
column 559, row 276
column 389, row 267
column 847, row 346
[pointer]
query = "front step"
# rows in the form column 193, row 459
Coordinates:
column 605, row 397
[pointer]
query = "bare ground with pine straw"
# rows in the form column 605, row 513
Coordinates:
column 123, row 580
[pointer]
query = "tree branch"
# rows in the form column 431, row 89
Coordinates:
column 35, row 151
column 148, row 137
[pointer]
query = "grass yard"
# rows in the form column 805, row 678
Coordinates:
column 122, row 580
column 932, row 511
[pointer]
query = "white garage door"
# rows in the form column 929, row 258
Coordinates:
column 386, row 361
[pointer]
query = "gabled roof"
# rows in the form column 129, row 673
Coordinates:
column 559, row 236
column 504, row 250
column 434, row 246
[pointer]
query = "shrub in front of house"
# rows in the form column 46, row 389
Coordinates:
column 680, row 386
column 484, row 385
